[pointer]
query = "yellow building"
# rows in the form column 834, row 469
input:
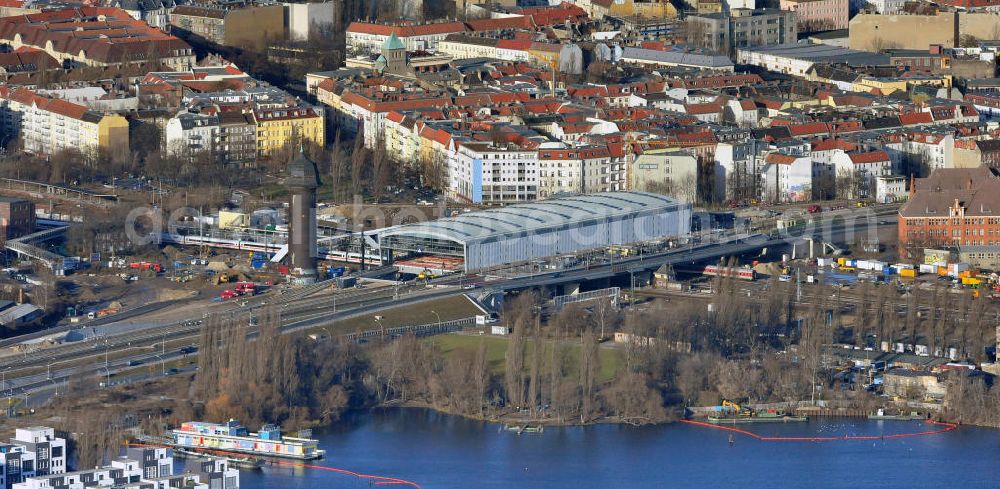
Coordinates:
column 890, row 85
column 627, row 8
column 283, row 129
column 709, row 6
column 112, row 137
column 655, row 10
column 546, row 54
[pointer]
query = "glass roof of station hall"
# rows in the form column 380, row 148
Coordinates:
column 535, row 216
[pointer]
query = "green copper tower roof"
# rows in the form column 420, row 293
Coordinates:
column 393, row 42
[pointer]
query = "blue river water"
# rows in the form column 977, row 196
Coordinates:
column 439, row 451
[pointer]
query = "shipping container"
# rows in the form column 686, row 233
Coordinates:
column 925, row 268
column 907, row 272
column 971, row 281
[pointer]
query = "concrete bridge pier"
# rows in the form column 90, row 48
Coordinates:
column 571, row 288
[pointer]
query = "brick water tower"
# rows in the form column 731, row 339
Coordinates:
column 303, row 180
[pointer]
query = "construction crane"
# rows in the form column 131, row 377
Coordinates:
column 737, row 409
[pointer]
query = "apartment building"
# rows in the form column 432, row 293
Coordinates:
column 17, row 218
column 857, row 172
column 787, row 178
column 243, row 25
column 485, row 173
column 818, row 15
column 674, row 173
column 34, row 451
column 741, row 28
column 228, row 137
column 237, row 137
column 953, row 208
column 114, row 39
column 141, row 468
column 191, row 135
column 278, row 129
column 46, row 126
column 586, row 169
column 369, row 37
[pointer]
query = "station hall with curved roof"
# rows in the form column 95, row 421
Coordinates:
column 560, row 225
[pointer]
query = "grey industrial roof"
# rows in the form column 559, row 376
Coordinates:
column 677, row 57
column 823, row 53
column 18, row 312
column 532, row 217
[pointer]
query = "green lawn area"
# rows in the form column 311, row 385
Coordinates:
column 496, row 350
column 424, row 313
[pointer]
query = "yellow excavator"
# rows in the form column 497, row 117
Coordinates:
column 737, row 409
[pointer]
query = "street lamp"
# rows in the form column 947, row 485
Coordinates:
column 163, row 367
column 438, row 318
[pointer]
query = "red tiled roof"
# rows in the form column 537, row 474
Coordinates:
column 707, row 108
column 856, row 100
column 394, row 117
column 406, row 29
column 515, row 22
column 588, row 91
column 326, row 85
column 970, row 3
column 869, row 157
column 62, row 107
column 847, row 126
column 810, row 128
column 513, row 44
column 832, row 144
column 780, row 159
column 913, row 118
column 543, row 16
column 107, row 35
column 573, row 153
